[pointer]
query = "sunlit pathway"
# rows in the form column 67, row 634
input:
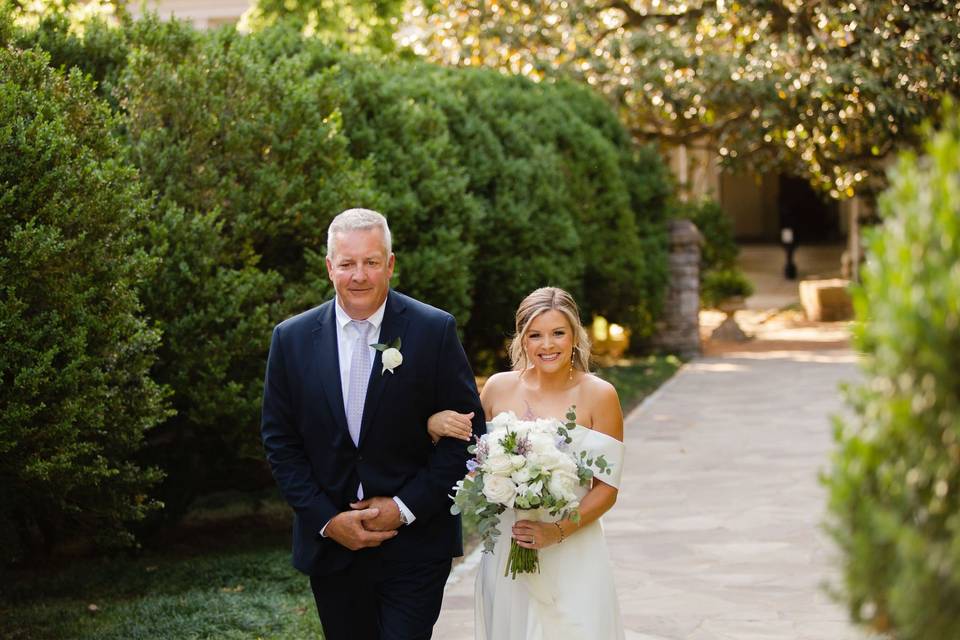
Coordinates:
column 716, row 534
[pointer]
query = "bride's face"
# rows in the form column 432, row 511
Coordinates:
column 549, row 342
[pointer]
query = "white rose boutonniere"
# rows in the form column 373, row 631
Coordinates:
column 390, row 355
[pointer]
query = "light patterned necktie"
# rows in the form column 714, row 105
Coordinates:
column 359, row 378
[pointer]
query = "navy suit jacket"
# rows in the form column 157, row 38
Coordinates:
column 315, row 462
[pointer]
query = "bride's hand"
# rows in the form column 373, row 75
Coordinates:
column 536, row 535
column 450, row 424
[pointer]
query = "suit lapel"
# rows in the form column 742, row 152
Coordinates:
column 327, row 356
column 394, row 326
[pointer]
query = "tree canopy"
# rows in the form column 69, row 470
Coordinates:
column 822, row 89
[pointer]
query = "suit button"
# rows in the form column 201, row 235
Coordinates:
column 360, row 458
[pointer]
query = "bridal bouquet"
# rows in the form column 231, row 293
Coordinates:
column 523, row 465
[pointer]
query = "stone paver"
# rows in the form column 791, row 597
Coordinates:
column 717, row 531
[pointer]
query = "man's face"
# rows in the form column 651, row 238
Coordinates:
column 360, row 271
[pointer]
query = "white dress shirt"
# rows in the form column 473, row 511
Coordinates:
column 346, row 339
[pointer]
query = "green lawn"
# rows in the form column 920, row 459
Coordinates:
column 232, row 579
column 224, row 574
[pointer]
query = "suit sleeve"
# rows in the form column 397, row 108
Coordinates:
column 428, row 492
column 284, row 446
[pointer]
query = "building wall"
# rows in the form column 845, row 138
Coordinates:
column 208, row 14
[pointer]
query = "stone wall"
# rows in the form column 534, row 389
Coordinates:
column 679, row 328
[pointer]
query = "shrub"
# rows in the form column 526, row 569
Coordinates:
column 394, row 122
column 76, row 397
column 723, row 284
column 245, row 153
column 719, row 275
column 895, row 481
column 526, row 236
column 719, row 250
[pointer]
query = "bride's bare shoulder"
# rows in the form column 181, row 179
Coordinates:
column 602, row 402
column 498, row 382
column 495, row 390
column 595, row 385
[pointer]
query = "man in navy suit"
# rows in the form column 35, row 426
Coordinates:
column 345, row 431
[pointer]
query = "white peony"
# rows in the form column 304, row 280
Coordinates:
column 503, row 420
column 391, row 358
column 553, row 460
column 543, row 441
column 563, row 484
column 499, row 490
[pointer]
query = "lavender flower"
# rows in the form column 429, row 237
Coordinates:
column 483, row 450
column 523, row 446
column 472, row 465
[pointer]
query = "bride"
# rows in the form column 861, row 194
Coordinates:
column 573, row 596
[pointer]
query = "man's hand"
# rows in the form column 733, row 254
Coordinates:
column 389, row 518
column 350, row 530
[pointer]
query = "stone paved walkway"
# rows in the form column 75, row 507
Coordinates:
column 716, row 534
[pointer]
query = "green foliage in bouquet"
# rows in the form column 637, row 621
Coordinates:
column 76, row 397
column 895, row 481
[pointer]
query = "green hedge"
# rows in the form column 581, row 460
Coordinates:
column 246, row 146
column 895, row 482
column 76, row 397
column 246, row 156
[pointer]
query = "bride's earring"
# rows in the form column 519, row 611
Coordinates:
column 572, row 354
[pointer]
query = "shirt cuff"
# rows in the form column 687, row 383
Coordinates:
column 405, row 514
column 323, row 530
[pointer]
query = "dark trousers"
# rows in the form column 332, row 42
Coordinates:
column 377, row 599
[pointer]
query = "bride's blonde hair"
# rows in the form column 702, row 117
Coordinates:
column 540, row 301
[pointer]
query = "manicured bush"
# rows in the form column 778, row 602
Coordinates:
column 895, row 481
column 100, row 51
column 394, row 122
column 526, row 236
column 245, row 154
column 76, row 397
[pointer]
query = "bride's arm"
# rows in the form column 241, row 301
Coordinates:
column 450, row 424
column 608, row 419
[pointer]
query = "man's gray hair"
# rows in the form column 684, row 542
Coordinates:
column 358, row 220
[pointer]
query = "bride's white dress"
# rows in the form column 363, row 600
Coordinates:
column 573, row 596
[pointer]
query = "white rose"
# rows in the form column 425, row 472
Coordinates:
column 521, row 475
column 391, row 358
column 499, row 490
column 499, row 463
